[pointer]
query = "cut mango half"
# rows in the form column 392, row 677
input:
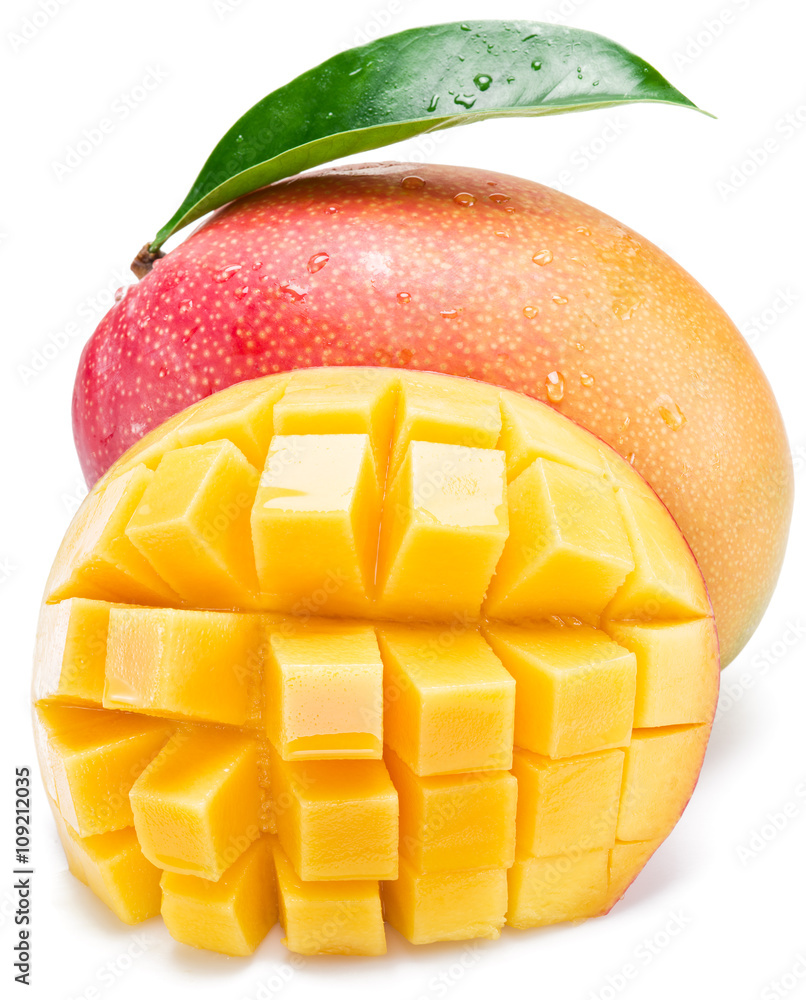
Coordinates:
column 353, row 647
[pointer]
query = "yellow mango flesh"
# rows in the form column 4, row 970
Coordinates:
column 232, row 915
column 328, row 918
column 370, row 635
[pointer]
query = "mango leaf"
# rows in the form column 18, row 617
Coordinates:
column 412, row 82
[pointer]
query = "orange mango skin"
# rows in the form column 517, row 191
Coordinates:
column 415, row 279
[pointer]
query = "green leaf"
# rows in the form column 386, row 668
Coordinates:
column 413, row 82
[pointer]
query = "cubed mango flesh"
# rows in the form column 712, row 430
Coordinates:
column 94, row 758
column 71, row 651
column 113, row 866
column 232, row 915
column 575, row 687
column 204, row 665
column 567, row 552
column 324, row 692
column 192, row 524
column 449, row 703
column 446, row 906
column 455, row 821
column 422, row 647
column 328, row 918
column 446, row 507
column 336, row 820
column 315, row 524
column 197, row 804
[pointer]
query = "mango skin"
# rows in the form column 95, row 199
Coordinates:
column 357, row 266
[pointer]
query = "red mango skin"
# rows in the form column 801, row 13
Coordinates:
column 458, row 270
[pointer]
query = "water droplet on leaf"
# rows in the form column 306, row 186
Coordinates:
column 537, row 64
column 465, row 100
column 483, row 81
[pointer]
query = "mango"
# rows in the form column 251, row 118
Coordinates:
column 346, row 646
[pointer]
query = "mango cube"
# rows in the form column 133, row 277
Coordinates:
column 569, row 804
column 529, row 432
column 444, row 411
column 446, row 906
column 664, row 583
column 197, row 805
column 660, row 771
column 575, row 687
column 97, row 560
column 668, row 692
column 71, row 651
column 336, row 820
column 204, row 665
column 567, row 551
column 192, row 524
column 232, row 915
column 446, row 508
column 324, row 692
column 315, row 524
column 341, row 401
column 94, row 759
column 449, row 703
column 244, row 417
column 114, row 868
column 551, row 890
column 456, row 821
column 328, row 918
column 625, row 862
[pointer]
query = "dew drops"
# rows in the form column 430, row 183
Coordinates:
column 412, row 182
column 292, row 292
column 631, row 458
column 502, row 234
column 465, row 100
column 317, row 262
column 464, row 27
column 241, row 292
column 162, row 372
column 579, row 346
column 403, row 297
column 530, row 311
column 559, row 300
column 510, row 209
column 537, row 64
column 584, row 230
column 586, row 379
column 356, row 71
column 498, row 198
column 432, row 106
column 226, row 273
column 120, row 293
column 670, row 412
column 465, row 199
column 449, row 313
column 483, row 81
column 625, row 305
column 555, row 386
column 543, row 257
column 185, row 305
column 331, row 210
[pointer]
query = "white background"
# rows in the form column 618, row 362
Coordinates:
column 728, row 883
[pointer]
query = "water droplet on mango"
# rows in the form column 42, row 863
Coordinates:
column 555, row 386
column 317, row 262
column 586, row 379
column 412, row 182
column 670, row 412
column 465, row 199
column 403, row 297
column 530, row 311
column 543, row 257
column 226, row 273
column 498, row 198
